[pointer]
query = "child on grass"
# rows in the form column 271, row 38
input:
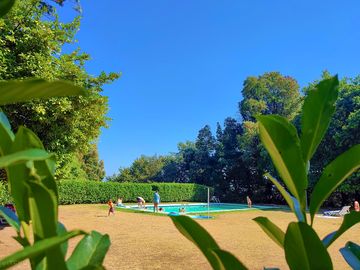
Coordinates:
column 111, row 207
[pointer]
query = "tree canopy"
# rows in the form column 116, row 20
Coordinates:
column 32, row 38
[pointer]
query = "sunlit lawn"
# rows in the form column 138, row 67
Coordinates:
column 150, row 241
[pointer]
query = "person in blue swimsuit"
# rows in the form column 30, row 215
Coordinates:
column 156, row 201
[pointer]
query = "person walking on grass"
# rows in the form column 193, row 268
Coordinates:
column 249, row 202
column 111, row 208
column 156, row 201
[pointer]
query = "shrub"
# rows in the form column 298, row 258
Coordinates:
column 76, row 192
column 81, row 192
column 4, row 194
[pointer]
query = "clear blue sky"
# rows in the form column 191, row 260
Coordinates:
column 184, row 62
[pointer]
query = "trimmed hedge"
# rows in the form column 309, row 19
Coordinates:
column 75, row 192
column 84, row 192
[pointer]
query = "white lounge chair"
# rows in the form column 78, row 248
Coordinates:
column 215, row 199
column 339, row 213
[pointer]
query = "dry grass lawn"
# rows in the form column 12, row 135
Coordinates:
column 142, row 241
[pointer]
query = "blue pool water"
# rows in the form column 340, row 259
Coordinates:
column 201, row 207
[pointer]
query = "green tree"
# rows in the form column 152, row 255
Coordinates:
column 229, row 168
column 143, row 169
column 187, row 151
column 30, row 46
column 92, row 166
column 270, row 93
column 204, row 160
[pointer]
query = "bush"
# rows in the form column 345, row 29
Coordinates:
column 76, row 192
column 4, row 194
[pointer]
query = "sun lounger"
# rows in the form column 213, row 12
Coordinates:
column 345, row 210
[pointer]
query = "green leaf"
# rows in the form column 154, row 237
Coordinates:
column 333, row 175
column 45, row 225
column 351, row 253
column 21, row 91
column 5, row 6
column 26, row 139
column 42, row 201
column 90, row 252
column 61, row 230
column 319, row 106
column 291, row 201
column 4, row 120
column 22, row 240
column 10, row 217
column 19, row 174
column 6, row 135
column 281, row 141
column 23, row 156
column 304, row 250
column 349, row 220
column 273, row 231
column 200, row 237
column 228, row 260
column 37, row 249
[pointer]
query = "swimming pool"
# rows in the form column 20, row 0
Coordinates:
column 200, row 207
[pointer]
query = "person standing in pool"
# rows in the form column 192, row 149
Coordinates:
column 156, row 201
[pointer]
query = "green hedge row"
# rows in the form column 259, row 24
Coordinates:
column 83, row 192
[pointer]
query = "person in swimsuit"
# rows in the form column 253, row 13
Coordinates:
column 249, row 202
column 156, row 201
column 119, row 202
column 141, row 202
column 111, row 207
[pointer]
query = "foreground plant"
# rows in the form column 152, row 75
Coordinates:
column 291, row 156
column 30, row 172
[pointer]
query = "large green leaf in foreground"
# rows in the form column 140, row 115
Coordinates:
column 351, row 253
column 36, row 249
column 304, row 250
column 228, row 260
column 20, row 91
column 6, row 135
column 282, row 143
column 204, row 241
column 293, row 203
column 319, row 106
column 349, row 220
column 10, row 217
column 273, row 231
column 5, row 6
column 23, row 156
column 90, row 252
